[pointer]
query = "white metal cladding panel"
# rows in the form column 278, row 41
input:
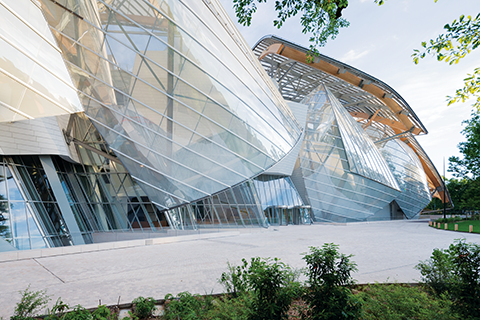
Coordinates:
column 287, row 164
column 30, row 137
column 35, row 81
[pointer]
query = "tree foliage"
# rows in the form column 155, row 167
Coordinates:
column 470, row 149
column 455, row 272
column 461, row 37
column 321, row 19
column 465, row 193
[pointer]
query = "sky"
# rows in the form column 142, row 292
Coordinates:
column 380, row 41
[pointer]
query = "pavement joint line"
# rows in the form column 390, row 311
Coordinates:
column 53, row 274
column 233, row 243
column 388, row 269
column 117, row 245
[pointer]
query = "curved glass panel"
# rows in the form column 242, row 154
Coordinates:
column 406, row 167
column 280, row 201
column 277, row 191
column 323, row 170
column 363, row 156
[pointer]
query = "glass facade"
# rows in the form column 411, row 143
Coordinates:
column 235, row 207
column 31, row 218
column 363, row 156
column 170, row 123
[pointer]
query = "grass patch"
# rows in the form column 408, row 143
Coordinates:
column 463, row 225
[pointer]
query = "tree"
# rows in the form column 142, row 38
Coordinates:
column 322, row 19
column 461, row 37
column 464, row 193
column 464, row 189
column 470, row 149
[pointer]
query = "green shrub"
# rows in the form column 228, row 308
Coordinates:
column 231, row 309
column 455, row 272
column 78, row 313
column 58, row 311
column 437, row 272
column 267, row 286
column 274, row 286
column 30, row 304
column 143, row 307
column 186, row 306
column 104, row 313
column 328, row 275
column 236, row 280
column 396, row 302
column 447, row 220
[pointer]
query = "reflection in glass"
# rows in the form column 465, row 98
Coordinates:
column 324, row 172
column 280, row 201
column 408, row 171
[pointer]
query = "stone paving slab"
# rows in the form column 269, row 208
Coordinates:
column 383, row 251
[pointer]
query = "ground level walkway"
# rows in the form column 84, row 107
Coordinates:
column 383, row 251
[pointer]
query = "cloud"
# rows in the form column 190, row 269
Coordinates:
column 353, row 55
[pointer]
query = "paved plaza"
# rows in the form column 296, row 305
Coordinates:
column 383, row 251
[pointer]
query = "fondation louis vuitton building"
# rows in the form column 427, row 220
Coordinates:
column 123, row 119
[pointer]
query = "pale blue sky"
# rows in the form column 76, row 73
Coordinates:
column 380, row 41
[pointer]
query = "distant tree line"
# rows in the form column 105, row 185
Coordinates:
column 464, row 188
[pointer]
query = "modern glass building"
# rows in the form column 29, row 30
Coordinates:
column 139, row 118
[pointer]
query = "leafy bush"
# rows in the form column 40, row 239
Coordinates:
column 396, row 301
column 267, row 286
column 78, row 313
column 30, row 303
column 186, row 306
column 328, row 275
column 104, row 313
column 274, row 287
column 437, row 272
column 58, row 311
column 447, row 220
column 143, row 307
column 236, row 280
column 455, row 272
